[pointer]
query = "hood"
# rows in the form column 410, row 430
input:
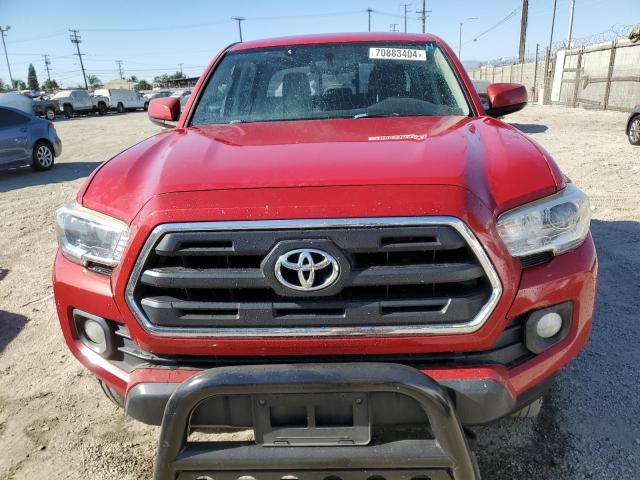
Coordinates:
column 500, row 165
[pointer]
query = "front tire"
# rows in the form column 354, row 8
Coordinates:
column 120, row 108
column 634, row 131
column 50, row 114
column 68, row 111
column 102, row 109
column 42, row 157
column 146, row 106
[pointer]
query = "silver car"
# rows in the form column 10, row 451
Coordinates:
column 27, row 139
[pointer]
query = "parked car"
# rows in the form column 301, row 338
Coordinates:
column 157, row 94
column 80, row 101
column 43, row 106
column 324, row 203
column 17, row 100
column 182, row 96
column 25, row 138
column 122, row 99
column 633, row 126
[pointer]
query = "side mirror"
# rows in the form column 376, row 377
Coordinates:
column 505, row 98
column 163, row 110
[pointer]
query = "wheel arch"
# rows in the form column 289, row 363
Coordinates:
column 44, row 140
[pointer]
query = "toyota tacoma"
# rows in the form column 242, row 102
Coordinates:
column 336, row 246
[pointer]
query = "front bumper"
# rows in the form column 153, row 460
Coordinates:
column 443, row 453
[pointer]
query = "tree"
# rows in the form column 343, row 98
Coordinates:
column 32, row 79
column 3, row 86
column 142, row 85
column 133, row 79
column 94, row 81
column 19, row 85
column 50, row 85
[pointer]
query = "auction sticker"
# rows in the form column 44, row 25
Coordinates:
column 397, row 54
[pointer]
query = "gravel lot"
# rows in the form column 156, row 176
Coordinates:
column 55, row 422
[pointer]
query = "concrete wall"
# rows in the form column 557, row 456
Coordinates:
column 604, row 76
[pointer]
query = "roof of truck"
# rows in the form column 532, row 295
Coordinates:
column 336, row 38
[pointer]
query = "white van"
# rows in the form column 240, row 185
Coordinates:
column 121, row 99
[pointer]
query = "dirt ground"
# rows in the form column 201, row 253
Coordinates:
column 55, row 422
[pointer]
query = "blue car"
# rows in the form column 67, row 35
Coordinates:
column 27, row 139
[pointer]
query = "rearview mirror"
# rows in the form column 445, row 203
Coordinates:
column 163, row 110
column 505, row 98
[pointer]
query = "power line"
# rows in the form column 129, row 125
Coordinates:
column 239, row 20
column 4, row 34
column 497, row 24
column 393, row 27
column 77, row 40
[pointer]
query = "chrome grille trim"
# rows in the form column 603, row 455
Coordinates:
column 303, row 224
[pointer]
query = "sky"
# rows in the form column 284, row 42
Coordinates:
column 152, row 38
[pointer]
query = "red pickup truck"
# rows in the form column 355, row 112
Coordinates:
column 338, row 247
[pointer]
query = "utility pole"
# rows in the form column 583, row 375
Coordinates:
column 77, row 40
column 369, row 11
column 547, row 86
column 535, row 75
column 119, row 62
column 239, row 20
column 460, row 39
column 572, row 5
column 405, row 5
column 523, row 30
column 393, row 27
column 423, row 15
column 180, row 69
column 3, row 34
column 47, row 63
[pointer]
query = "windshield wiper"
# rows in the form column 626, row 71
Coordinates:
column 375, row 115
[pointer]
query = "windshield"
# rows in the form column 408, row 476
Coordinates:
column 331, row 81
column 62, row 94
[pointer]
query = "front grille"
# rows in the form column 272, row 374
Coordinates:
column 425, row 276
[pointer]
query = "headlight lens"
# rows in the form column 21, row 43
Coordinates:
column 557, row 223
column 86, row 236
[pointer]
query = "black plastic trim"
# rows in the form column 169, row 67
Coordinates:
column 448, row 453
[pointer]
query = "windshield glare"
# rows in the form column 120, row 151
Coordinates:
column 331, row 81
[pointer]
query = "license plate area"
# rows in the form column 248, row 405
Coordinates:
column 327, row 419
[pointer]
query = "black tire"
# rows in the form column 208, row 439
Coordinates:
column 120, row 108
column 146, row 106
column 111, row 394
column 42, row 157
column 102, row 108
column 633, row 134
column 529, row 411
column 68, row 110
column 50, row 114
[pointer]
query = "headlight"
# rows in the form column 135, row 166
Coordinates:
column 87, row 236
column 557, row 223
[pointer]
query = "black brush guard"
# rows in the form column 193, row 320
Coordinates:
column 314, row 453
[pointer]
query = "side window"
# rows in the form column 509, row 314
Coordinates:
column 213, row 101
column 9, row 118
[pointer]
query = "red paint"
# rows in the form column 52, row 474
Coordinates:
column 472, row 168
column 503, row 95
column 167, row 109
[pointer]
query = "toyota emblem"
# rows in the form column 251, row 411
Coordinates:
column 307, row 269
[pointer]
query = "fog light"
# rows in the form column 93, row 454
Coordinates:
column 94, row 332
column 548, row 325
